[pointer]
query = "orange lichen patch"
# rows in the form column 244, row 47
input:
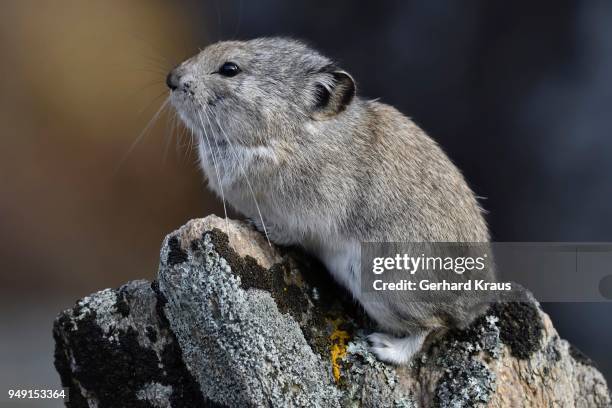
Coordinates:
column 339, row 339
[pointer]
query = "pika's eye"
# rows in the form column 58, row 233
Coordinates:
column 229, row 69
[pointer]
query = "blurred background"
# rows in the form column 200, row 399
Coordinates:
column 519, row 94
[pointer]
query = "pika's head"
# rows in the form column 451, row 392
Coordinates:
column 254, row 91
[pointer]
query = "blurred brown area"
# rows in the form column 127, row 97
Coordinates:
column 79, row 210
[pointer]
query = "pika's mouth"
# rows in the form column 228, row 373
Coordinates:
column 201, row 121
column 190, row 113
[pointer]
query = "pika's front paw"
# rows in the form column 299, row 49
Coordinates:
column 395, row 350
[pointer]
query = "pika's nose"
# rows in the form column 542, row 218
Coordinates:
column 173, row 80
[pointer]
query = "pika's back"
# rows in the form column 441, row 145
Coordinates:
column 416, row 193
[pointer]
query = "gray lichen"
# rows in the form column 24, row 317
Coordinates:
column 156, row 394
column 467, row 380
column 369, row 382
column 466, row 383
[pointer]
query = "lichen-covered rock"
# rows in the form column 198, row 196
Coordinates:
column 237, row 343
column 114, row 349
column 232, row 321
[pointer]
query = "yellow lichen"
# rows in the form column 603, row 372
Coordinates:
column 339, row 339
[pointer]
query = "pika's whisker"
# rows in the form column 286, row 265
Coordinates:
column 159, row 54
column 246, row 177
column 212, row 153
column 146, row 106
column 205, row 111
column 173, row 128
column 142, row 134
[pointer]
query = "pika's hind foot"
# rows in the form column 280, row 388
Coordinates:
column 396, row 350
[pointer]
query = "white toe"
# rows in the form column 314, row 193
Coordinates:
column 396, row 350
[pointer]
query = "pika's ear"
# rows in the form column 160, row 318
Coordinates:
column 333, row 93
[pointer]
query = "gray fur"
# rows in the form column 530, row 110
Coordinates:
column 328, row 173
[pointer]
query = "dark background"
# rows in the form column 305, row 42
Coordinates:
column 517, row 93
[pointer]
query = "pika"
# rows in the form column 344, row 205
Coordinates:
column 286, row 140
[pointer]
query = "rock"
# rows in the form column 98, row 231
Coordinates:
column 236, row 322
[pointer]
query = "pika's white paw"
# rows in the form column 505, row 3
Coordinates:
column 395, row 350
